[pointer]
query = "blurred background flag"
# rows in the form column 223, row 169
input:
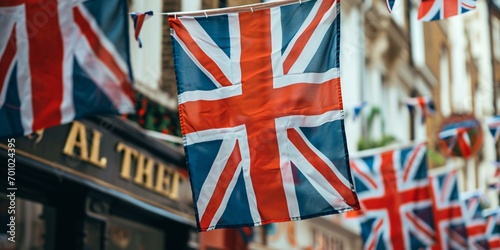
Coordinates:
column 494, row 126
column 390, row 4
column 77, row 64
column 492, row 217
column 473, row 203
column 250, row 116
column 393, row 189
column 457, row 134
column 357, row 110
column 425, row 105
column 139, row 18
column 448, row 220
column 431, row 10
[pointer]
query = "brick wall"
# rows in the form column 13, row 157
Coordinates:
column 168, row 83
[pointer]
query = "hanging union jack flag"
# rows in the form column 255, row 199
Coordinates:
column 396, row 207
column 259, row 91
column 61, row 60
column 455, row 137
column 492, row 217
column 472, row 207
column 431, row 10
column 450, row 226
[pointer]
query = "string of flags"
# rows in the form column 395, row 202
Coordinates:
column 138, row 18
column 424, row 103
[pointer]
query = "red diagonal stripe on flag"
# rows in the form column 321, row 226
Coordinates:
column 221, row 187
column 306, row 35
column 200, row 55
column 322, row 167
column 373, row 244
column 408, row 165
column 366, row 177
column 104, row 55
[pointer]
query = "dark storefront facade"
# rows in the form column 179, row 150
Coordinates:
column 95, row 184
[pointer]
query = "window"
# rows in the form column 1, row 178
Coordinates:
column 32, row 220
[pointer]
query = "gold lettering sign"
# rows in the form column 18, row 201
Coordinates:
column 167, row 180
column 77, row 138
column 135, row 166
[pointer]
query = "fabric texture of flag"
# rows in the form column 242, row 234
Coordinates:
column 450, row 227
column 259, row 91
column 457, row 135
column 425, row 104
column 74, row 65
column 431, row 10
column 138, row 18
column 494, row 126
column 492, row 217
column 393, row 189
column 472, row 208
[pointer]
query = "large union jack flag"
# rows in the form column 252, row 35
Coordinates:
column 396, row 207
column 431, row 10
column 450, row 226
column 261, row 113
column 472, row 207
column 61, row 60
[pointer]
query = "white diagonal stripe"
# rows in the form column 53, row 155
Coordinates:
column 235, row 40
column 209, row 47
column 311, row 78
column 313, row 43
column 210, row 95
column 195, row 60
column 24, row 75
column 214, row 175
column 238, row 132
column 317, row 180
column 276, row 40
column 70, row 37
column 305, row 24
column 225, row 199
column 98, row 71
column 245, row 164
column 286, row 171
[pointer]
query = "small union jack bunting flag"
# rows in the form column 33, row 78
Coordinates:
column 457, row 134
column 393, row 189
column 357, row 110
column 472, row 207
column 495, row 186
column 390, row 5
column 431, row 10
column 494, row 126
column 74, row 65
column 425, row 105
column 259, row 91
column 448, row 220
column 139, row 18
